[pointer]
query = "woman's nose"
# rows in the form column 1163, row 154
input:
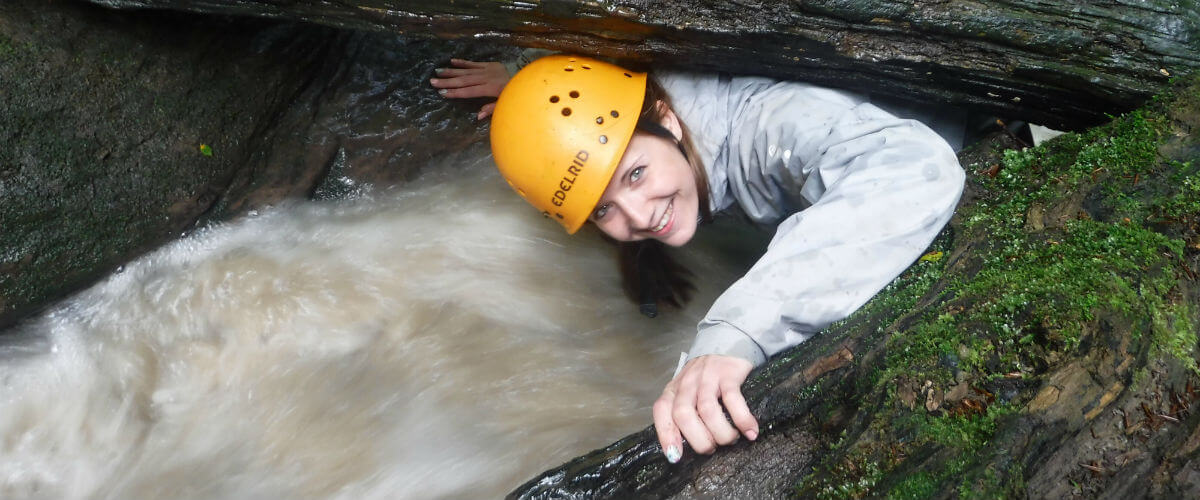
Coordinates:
column 634, row 209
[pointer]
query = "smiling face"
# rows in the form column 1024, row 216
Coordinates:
column 652, row 193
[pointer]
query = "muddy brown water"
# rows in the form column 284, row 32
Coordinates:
column 438, row 341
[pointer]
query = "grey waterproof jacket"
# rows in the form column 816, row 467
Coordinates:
column 855, row 193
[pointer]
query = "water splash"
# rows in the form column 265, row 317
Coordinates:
column 438, row 342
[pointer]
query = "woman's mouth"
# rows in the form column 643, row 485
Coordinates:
column 664, row 222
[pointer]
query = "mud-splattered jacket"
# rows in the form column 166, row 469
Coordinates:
column 856, row 195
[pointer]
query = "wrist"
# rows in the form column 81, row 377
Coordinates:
column 726, row 340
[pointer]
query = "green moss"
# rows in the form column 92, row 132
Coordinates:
column 1036, row 291
column 965, row 433
column 988, row 484
column 853, row 477
column 1066, row 234
column 926, row 484
column 809, row 392
column 960, row 437
column 917, row 486
column 1185, row 201
column 864, row 468
column 1174, row 333
column 1127, row 146
column 858, row 472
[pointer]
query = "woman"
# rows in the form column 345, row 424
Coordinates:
column 855, row 193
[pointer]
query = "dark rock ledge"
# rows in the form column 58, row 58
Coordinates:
column 103, row 115
column 1062, row 63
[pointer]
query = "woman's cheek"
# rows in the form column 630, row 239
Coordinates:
column 610, row 228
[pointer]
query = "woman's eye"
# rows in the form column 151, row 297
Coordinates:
column 600, row 211
column 636, row 174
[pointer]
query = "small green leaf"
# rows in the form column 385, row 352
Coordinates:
column 931, row 257
column 206, row 150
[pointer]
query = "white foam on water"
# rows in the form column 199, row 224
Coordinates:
column 443, row 341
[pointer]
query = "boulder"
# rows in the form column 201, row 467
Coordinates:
column 1045, row 347
column 1060, row 63
column 123, row 130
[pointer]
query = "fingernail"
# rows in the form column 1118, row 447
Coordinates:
column 439, row 70
column 752, row 435
column 442, row 91
column 673, row 454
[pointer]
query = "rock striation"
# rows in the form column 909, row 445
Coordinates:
column 1060, row 63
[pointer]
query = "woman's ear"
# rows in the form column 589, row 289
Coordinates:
column 669, row 120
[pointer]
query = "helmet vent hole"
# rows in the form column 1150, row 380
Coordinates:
column 604, row 139
column 568, row 68
column 599, row 120
column 574, row 94
column 553, row 98
column 586, row 67
column 627, row 75
column 566, row 111
column 614, row 113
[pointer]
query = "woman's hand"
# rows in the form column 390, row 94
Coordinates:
column 469, row 79
column 691, row 404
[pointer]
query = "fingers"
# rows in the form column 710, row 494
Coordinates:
column 683, row 411
column 463, row 67
column 694, row 406
column 450, row 72
column 485, row 111
column 458, row 82
column 469, row 79
column 713, row 414
column 463, row 63
column 664, row 426
column 465, row 92
column 735, row 404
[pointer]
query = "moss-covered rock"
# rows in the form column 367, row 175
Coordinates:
column 1045, row 347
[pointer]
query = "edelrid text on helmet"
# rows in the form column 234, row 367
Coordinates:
column 559, row 129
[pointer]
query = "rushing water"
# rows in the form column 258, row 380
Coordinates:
column 441, row 341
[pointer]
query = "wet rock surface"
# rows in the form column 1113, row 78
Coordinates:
column 1014, row 360
column 123, row 130
column 934, row 389
column 1059, row 63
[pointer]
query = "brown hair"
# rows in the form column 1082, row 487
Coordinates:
column 649, row 275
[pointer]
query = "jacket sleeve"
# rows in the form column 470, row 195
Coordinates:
column 878, row 190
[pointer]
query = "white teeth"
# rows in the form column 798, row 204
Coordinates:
column 666, row 217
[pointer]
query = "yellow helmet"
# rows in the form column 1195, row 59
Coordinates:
column 559, row 128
